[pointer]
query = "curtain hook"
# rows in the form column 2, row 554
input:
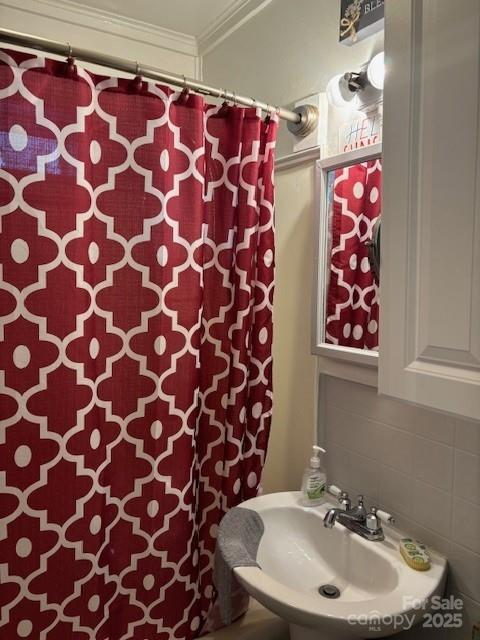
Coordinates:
column 268, row 117
column 137, row 81
column 183, row 97
column 255, row 106
column 234, row 99
column 224, row 106
column 70, row 60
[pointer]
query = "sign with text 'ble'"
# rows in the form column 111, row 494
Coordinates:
column 360, row 19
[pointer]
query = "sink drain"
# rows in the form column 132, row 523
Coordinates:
column 329, row 591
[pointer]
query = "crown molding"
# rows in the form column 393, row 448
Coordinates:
column 68, row 11
column 71, row 12
column 237, row 14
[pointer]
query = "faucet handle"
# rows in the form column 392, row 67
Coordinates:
column 372, row 521
column 344, row 501
column 385, row 516
column 341, row 495
column 334, row 490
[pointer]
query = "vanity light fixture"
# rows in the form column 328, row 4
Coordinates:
column 339, row 93
column 376, row 71
column 342, row 90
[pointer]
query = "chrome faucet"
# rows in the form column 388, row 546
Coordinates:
column 356, row 519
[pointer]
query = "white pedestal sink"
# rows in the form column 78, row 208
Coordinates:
column 297, row 555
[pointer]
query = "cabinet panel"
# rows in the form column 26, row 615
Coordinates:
column 430, row 289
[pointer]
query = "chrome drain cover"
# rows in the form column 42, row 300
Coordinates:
column 329, row 591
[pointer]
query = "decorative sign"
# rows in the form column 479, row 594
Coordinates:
column 360, row 19
column 361, row 132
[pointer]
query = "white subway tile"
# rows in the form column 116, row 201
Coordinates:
column 396, row 492
column 338, row 426
column 364, row 475
column 465, row 570
column 466, row 524
column 433, row 463
column 432, row 508
column 365, row 401
column 337, row 464
column 468, row 436
column 353, row 432
column 396, row 448
column 467, row 477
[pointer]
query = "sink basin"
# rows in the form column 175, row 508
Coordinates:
column 298, row 555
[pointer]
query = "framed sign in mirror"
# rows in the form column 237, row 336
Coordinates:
column 348, row 231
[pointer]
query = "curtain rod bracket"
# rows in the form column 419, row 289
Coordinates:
column 308, row 120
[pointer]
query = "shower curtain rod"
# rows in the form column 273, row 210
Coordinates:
column 301, row 121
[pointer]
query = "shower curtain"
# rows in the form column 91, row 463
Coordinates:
column 352, row 299
column 137, row 258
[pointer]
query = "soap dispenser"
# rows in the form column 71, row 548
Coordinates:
column 314, row 483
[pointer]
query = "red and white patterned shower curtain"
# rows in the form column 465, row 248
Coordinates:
column 353, row 294
column 135, row 317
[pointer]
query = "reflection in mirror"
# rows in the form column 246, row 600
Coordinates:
column 352, row 303
column 374, row 249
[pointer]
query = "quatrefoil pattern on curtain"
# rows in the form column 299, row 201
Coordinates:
column 136, row 291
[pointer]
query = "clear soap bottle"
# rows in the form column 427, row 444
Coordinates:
column 314, row 483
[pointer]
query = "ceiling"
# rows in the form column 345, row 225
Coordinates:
column 191, row 17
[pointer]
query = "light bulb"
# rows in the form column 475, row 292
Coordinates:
column 376, row 71
column 338, row 93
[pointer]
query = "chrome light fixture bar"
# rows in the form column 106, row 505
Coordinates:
column 342, row 90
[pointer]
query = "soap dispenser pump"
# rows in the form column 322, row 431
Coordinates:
column 314, row 483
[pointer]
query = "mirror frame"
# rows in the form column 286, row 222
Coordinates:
column 321, row 265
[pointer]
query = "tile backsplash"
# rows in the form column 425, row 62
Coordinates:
column 420, row 465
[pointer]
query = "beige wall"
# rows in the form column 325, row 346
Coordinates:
column 293, row 425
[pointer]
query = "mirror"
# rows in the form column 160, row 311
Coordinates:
column 348, row 278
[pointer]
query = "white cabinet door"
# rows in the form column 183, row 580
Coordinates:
column 430, row 279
